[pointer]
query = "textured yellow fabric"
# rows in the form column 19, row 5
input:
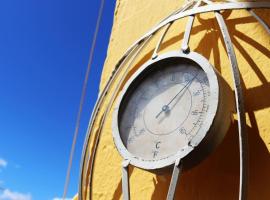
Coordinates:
column 216, row 177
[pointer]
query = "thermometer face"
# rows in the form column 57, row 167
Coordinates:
column 164, row 110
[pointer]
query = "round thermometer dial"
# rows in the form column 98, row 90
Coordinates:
column 165, row 110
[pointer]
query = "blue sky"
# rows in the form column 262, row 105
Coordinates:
column 44, row 50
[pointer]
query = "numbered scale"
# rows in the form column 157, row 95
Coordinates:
column 174, row 109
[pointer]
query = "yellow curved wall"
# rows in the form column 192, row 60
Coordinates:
column 217, row 176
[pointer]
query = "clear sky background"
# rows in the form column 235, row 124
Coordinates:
column 44, row 50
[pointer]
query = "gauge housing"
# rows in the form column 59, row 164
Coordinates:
column 210, row 134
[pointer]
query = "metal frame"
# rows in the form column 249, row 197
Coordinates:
column 239, row 101
column 178, row 166
column 130, row 57
column 181, row 13
column 125, row 179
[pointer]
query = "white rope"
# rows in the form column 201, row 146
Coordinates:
column 83, row 98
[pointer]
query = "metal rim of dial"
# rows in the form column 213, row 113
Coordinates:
column 204, row 64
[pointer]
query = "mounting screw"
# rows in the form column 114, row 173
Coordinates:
column 185, row 49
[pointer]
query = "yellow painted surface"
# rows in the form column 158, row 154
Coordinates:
column 217, row 176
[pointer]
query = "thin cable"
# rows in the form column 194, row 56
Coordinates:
column 92, row 50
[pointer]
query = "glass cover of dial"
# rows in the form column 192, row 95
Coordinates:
column 165, row 110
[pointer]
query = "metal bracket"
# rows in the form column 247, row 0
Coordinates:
column 174, row 180
column 260, row 20
column 155, row 54
column 185, row 45
column 125, row 179
column 243, row 137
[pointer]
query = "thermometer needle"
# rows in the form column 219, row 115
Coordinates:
column 166, row 106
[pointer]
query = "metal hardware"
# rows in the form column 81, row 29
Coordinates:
column 155, row 54
column 185, row 46
column 175, row 176
column 265, row 26
column 243, row 137
column 125, row 179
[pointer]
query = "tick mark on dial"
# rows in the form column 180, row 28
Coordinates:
column 205, row 79
column 196, row 112
column 183, row 131
column 196, row 93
